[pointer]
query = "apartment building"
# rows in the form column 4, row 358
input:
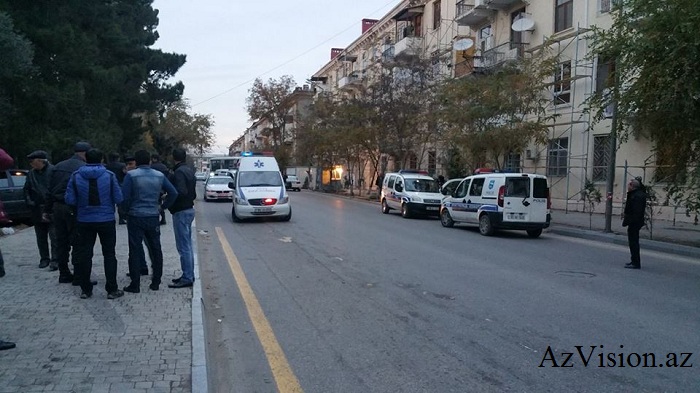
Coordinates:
column 472, row 36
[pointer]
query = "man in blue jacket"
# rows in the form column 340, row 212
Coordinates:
column 94, row 192
column 142, row 188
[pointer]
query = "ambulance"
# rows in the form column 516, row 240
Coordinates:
column 258, row 190
column 494, row 201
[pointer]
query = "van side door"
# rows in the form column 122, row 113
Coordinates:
column 390, row 194
column 458, row 202
column 474, row 201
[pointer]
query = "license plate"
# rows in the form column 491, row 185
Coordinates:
column 516, row 216
column 431, row 208
column 262, row 209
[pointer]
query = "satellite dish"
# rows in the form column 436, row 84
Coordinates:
column 463, row 44
column 523, row 24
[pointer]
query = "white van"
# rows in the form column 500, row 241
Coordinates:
column 410, row 192
column 258, row 190
column 499, row 201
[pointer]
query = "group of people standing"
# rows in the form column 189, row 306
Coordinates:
column 76, row 201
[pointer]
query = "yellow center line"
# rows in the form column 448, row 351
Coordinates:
column 281, row 370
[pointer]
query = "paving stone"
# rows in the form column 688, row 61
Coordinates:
column 68, row 344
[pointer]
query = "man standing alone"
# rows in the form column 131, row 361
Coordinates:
column 63, row 216
column 633, row 219
column 183, row 215
column 142, row 188
column 94, row 192
column 36, row 191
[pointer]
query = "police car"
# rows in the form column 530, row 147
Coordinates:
column 499, row 201
column 410, row 192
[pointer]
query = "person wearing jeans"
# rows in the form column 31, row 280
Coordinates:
column 183, row 214
column 142, row 189
column 94, row 193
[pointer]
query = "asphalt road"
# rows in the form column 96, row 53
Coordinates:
column 352, row 300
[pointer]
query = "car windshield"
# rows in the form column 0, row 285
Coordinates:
column 259, row 178
column 422, row 185
column 219, row 180
column 292, row 178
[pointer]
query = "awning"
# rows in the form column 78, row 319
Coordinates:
column 409, row 13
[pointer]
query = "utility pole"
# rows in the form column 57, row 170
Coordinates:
column 612, row 155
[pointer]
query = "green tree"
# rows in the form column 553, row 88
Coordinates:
column 180, row 128
column 96, row 73
column 489, row 116
column 654, row 48
column 271, row 101
column 15, row 65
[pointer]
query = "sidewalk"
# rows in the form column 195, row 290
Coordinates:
column 138, row 343
column 681, row 238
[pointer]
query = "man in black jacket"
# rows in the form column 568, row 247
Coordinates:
column 63, row 215
column 160, row 167
column 183, row 214
column 36, row 192
column 633, row 219
column 117, row 167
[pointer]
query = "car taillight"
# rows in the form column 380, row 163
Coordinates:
column 269, row 201
column 549, row 200
column 501, row 194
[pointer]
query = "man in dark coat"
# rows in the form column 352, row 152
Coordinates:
column 183, row 214
column 63, row 215
column 117, row 167
column 633, row 219
column 160, row 167
column 36, row 192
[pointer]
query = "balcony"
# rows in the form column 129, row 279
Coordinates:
column 503, row 4
column 499, row 55
column 409, row 46
column 473, row 13
column 349, row 81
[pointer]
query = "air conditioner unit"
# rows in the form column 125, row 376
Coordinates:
column 532, row 155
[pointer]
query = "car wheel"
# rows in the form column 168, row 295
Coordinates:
column 446, row 219
column 404, row 211
column 534, row 233
column 385, row 207
column 485, row 227
column 234, row 217
column 288, row 216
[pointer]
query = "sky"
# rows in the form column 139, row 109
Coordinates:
column 230, row 43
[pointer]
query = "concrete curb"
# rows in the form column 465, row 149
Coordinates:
column 199, row 356
column 614, row 238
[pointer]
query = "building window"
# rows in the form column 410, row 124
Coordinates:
column 432, row 162
column 412, row 161
column 516, row 37
column 557, row 155
column 563, row 15
column 603, row 73
column 437, row 14
column 607, row 5
column 513, row 162
column 562, row 84
column 485, row 38
column 601, row 157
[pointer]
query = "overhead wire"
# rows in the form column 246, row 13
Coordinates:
column 290, row 60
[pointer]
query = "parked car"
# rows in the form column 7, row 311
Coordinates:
column 411, row 192
column 216, row 187
column 200, row 176
column 12, row 194
column 292, row 183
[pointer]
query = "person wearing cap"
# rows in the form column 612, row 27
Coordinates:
column 36, row 192
column 64, row 215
